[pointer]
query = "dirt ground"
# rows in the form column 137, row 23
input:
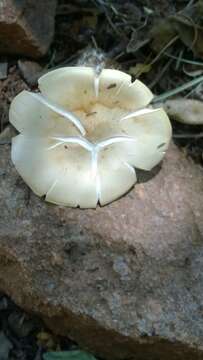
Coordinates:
column 127, row 35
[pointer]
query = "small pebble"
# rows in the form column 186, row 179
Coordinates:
column 30, row 71
column 3, row 299
column 3, row 70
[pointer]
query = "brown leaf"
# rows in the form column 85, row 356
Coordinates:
column 162, row 32
column 186, row 24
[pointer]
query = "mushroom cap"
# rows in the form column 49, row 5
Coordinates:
column 83, row 135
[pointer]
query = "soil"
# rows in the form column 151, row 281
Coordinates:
column 25, row 336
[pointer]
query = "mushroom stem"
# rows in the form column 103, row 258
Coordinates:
column 61, row 111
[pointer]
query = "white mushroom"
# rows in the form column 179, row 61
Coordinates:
column 82, row 137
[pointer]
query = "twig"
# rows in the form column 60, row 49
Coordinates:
column 190, row 3
column 188, row 136
column 179, row 89
column 179, row 59
column 194, row 27
column 94, row 42
column 160, row 74
column 197, row 89
column 5, row 142
column 187, row 61
column 103, row 7
column 171, row 42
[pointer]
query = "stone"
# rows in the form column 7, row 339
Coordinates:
column 30, row 71
column 9, row 88
column 26, row 27
column 3, row 303
column 3, row 114
column 7, row 134
column 123, row 281
column 3, row 70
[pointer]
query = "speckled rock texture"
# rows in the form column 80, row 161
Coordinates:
column 24, row 28
column 125, row 281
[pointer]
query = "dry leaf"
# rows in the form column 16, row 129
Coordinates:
column 187, row 24
column 47, row 340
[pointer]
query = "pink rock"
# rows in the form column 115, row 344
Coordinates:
column 125, row 281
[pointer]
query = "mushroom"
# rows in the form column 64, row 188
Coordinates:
column 82, row 136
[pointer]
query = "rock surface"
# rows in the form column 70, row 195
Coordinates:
column 24, row 28
column 125, row 280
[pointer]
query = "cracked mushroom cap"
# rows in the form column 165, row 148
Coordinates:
column 82, row 136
